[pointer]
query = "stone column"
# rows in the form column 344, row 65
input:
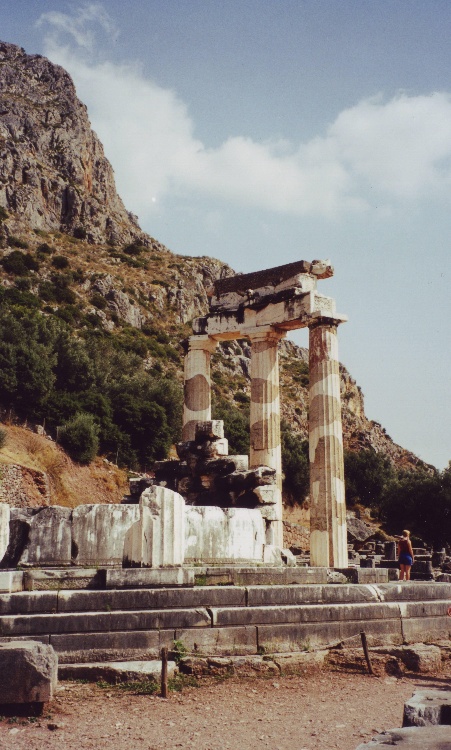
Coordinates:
column 197, row 389
column 265, row 412
column 328, row 537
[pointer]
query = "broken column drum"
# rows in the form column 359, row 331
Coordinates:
column 262, row 307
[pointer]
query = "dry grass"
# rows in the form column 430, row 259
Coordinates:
column 70, row 483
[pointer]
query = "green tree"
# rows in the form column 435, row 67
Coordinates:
column 295, row 466
column 367, row 476
column 79, row 438
column 420, row 502
column 236, row 425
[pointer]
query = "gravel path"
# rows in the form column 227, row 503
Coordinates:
column 326, row 710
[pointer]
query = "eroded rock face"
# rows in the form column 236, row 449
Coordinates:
column 53, row 171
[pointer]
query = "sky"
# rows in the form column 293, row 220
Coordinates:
column 262, row 132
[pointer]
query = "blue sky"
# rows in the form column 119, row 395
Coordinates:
column 267, row 131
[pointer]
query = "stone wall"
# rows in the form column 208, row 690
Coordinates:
column 295, row 535
column 22, row 487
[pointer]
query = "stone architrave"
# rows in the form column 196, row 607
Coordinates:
column 197, row 388
column 157, row 539
column 328, row 538
column 265, row 444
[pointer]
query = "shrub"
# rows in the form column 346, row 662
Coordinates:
column 45, row 249
column 135, row 248
column 60, row 262
column 80, row 233
column 19, row 263
column 80, row 438
column 17, row 242
column 98, row 301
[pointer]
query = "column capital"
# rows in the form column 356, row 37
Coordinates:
column 264, row 333
column 319, row 319
column 204, row 343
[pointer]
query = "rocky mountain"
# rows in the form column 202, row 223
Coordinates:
column 53, row 172
column 71, row 252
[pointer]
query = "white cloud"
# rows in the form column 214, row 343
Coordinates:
column 376, row 152
column 77, row 26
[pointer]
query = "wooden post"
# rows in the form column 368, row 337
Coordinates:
column 164, row 672
column 366, row 652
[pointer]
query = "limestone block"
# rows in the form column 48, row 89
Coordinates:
column 11, row 581
column 421, row 658
column 119, row 671
column 91, row 647
column 98, row 533
column 29, row 672
column 69, row 578
column 4, row 529
column 213, row 429
column 427, row 707
column 19, row 529
column 270, row 513
column 411, row 738
column 222, row 447
column 149, row 578
column 288, row 558
column 268, row 494
column 214, row 533
column 49, row 540
column 157, row 538
column 272, row 555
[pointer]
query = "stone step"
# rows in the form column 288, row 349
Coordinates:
column 116, row 671
column 106, row 625
column 66, row 601
column 205, row 617
column 54, row 579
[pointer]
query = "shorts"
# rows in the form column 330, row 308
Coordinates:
column 405, row 559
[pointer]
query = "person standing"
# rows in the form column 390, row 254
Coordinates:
column 405, row 556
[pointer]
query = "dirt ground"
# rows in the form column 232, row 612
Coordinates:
column 325, row 710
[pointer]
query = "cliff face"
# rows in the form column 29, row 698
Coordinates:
column 60, row 209
column 53, row 172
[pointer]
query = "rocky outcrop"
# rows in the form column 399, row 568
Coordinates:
column 53, row 171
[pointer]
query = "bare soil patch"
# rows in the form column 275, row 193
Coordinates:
column 327, row 710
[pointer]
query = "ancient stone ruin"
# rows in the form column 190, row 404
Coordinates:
column 262, row 307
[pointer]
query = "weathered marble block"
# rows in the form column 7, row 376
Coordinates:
column 98, row 533
column 4, row 528
column 49, row 537
column 156, row 539
column 29, row 672
column 214, row 533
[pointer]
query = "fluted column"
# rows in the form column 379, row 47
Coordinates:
column 265, row 447
column 328, row 537
column 197, row 387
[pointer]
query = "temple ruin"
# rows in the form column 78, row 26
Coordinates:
column 262, row 307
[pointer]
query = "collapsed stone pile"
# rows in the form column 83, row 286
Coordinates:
column 205, row 475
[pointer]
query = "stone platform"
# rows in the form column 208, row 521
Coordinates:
column 131, row 618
